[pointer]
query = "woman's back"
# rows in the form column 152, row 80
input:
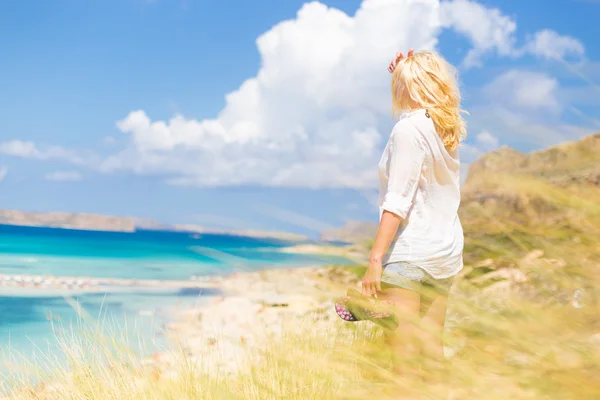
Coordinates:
column 419, row 180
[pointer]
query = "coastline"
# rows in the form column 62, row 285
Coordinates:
column 127, row 224
column 68, row 285
column 236, row 310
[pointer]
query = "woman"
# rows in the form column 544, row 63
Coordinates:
column 419, row 243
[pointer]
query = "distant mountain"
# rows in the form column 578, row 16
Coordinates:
column 83, row 221
column 68, row 220
column 150, row 224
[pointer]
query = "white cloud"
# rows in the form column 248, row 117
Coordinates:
column 312, row 115
column 64, row 176
column 19, row 148
column 527, row 109
column 488, row 29
column 317, row 112
column 469, row 152
column 28, row 149
column 527, row 130
column 3, row 172
column 532, row 90
column 487, row 140
column 549, row 44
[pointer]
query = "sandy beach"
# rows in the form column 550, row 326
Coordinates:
column 255, row 309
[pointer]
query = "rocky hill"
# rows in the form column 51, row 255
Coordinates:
column 548, row 195
column 572, row 162
column 532, row 223
column 66, row 220
column 507, row 173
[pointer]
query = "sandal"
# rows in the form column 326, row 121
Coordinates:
column 357, row 307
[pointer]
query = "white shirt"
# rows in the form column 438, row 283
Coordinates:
column 419, row 181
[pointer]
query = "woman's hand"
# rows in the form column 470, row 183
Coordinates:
column 371, row 283
column 399, row 57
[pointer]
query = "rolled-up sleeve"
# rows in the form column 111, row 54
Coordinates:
column 406, row 154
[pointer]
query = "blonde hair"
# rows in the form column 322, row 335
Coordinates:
column 426, row 80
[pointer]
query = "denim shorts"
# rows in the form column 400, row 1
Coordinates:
column 412, row 277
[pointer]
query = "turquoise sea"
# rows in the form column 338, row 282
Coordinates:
column 26, row 315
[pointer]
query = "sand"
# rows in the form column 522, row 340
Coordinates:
column 254, row 310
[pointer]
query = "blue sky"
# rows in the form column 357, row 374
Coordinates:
column 126, row 107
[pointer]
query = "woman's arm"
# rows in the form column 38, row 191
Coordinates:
column 388, row 226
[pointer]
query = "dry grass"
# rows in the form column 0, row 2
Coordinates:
column 504, row 347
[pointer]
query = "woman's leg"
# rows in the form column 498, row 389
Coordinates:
column 404, row 341
column 432, row 325
column 432, row 329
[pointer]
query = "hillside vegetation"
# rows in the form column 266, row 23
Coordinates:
column 547, row 202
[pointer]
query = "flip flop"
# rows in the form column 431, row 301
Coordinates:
column 356, row 307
